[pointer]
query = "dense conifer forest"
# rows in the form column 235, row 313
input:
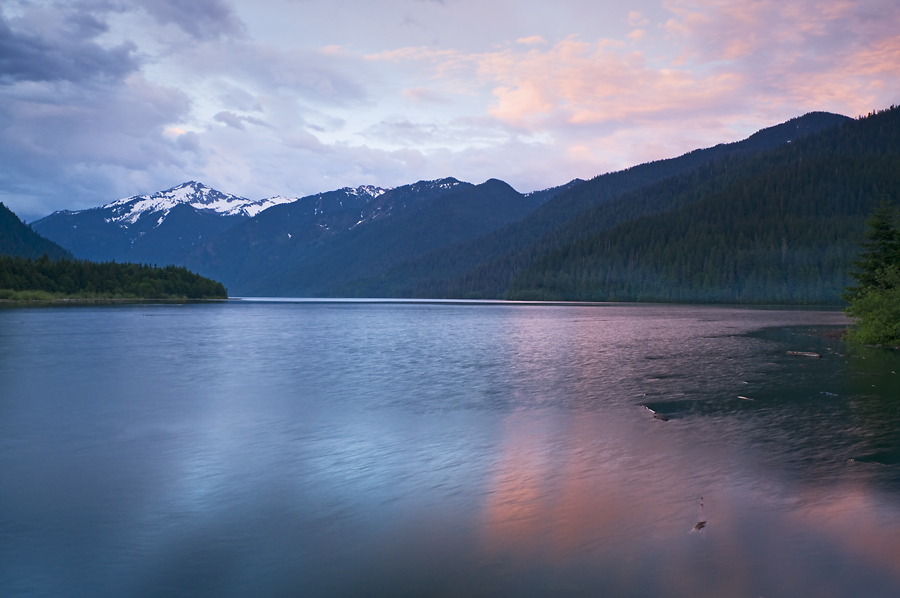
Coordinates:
column 788, row 235
column 780, row 227
column 486, row 266
column 34, row 268
column 43, row 278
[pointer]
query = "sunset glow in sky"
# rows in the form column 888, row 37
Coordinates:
column 101, row 99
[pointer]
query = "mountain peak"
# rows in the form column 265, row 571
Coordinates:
column 370, row 191
column 128, row 210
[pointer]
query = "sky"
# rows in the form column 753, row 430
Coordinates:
column 102, row 99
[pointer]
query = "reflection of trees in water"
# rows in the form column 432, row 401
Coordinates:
column 810, row 415
column 874, row 383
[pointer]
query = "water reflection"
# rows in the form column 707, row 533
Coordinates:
column 410, row 450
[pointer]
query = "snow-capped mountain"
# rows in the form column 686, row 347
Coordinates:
column 152, row 228
column 161, row 227
column 343, row 233
column 129, row 210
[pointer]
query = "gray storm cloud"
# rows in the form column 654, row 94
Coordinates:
column 52, row 49
column 75, row 114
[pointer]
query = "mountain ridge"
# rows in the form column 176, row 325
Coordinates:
column 17, row 239
column 471, row 269
column 442, row 238
column 291, row 245
column 781, row 227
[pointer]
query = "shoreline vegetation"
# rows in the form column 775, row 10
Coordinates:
column 875, row 300
column 68, row 281
column 40, row 298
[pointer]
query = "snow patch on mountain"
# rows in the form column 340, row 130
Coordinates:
column 128, row 210
column 254, row 208
column 369, row 191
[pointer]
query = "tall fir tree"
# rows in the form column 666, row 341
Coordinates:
column 875, row 300
column 881, row 251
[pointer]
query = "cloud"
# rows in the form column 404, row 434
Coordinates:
column 576, row 83
column 106, row 98
column 189, row 141
column 202, row 19
column 750, row 63
column 233, row 120
column 85, row 116
column 232, row 96
column 579, row 83
column 76, row 115
column 423, row 95
column 117, row 124
column 838, row 56
column 47, row 45
column 534, row 40
column 402, row 131
column 636, row 19
column 311, row 75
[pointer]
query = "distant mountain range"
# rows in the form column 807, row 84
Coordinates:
column 289, row 246
column 309, row 247
column 448, row 238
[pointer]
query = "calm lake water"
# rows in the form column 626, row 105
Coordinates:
column 378, row 449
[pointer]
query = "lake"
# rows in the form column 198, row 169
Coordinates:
column 444, row 449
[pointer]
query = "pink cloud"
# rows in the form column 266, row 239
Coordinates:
column 534, row 40
column 727, row 62
column 840, row 56
column 636, row 19
column 637, row 35
column 578, row 83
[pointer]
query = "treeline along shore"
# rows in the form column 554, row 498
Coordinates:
column 46, row 279
column 33, row 268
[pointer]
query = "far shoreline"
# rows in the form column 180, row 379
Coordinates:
column 101, row 301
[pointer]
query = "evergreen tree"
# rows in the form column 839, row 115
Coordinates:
column 881, row 250
column 875, row 300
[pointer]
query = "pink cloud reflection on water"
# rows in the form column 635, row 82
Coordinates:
column 604, row 499
column 567, row 496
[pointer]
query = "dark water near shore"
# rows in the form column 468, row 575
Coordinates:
column 352, row 449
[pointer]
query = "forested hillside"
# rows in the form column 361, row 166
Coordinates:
column 44, row 278
column 16, row 238
column 485, row 266
column 444, row 221
column 782, row 227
